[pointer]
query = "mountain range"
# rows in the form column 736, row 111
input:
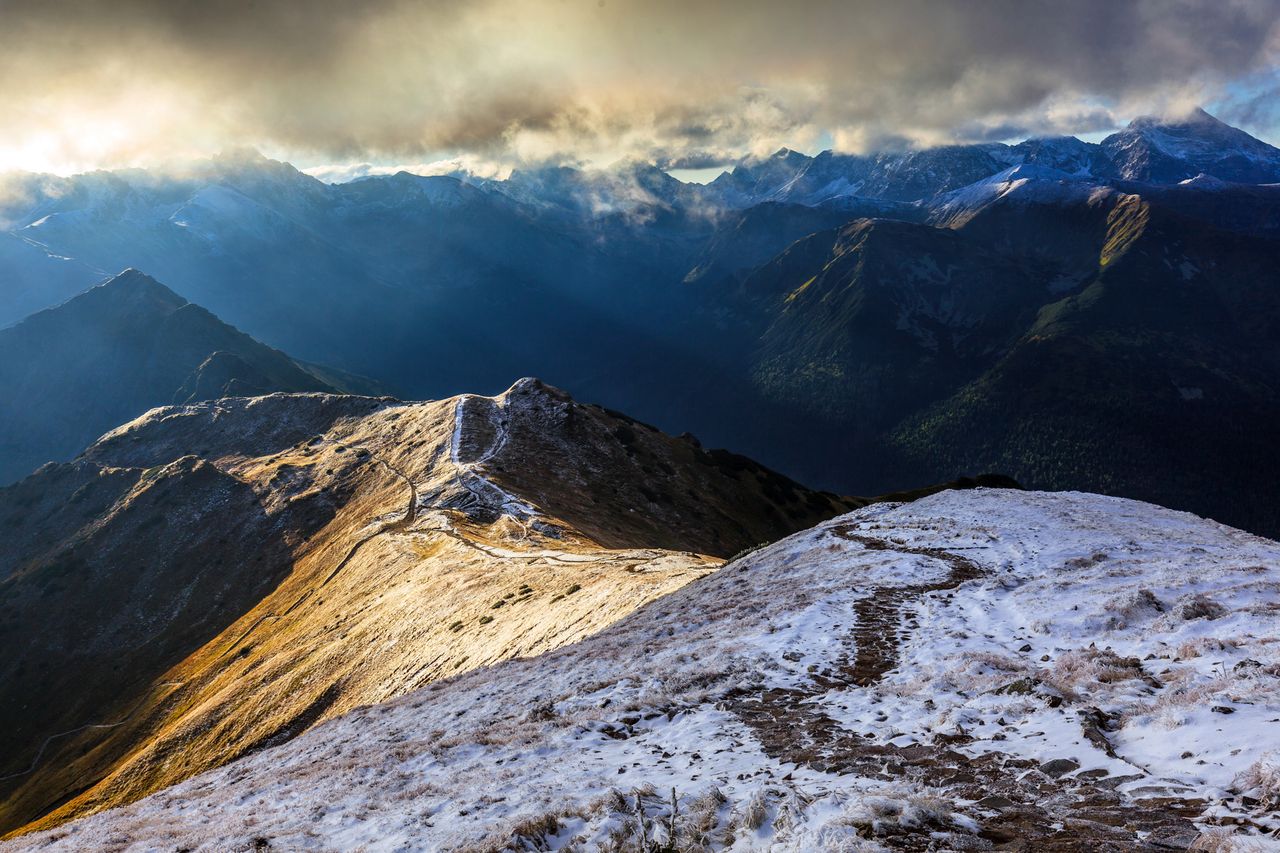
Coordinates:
column 862, row 322
column 1149, row 150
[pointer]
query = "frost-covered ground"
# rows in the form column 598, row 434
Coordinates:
column 971, row 669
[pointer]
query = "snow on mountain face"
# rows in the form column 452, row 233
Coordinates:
column 1161, row 151
column 1066, row 154
column 216, row 210
column 1153, row 150
column 1022, row 184
column 1069, row 670
column 793, row 177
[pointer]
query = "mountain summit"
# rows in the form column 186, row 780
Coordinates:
column 120, row 348
column 1169, row 150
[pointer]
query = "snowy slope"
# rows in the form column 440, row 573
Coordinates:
column 1074, row 671
column 1173, row 149
column 1022, row 184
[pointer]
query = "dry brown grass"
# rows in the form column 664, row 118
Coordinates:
column 1201, row 606
column 1228, row 840
column 1138, row 607
column 1200, row 645
column 1074, row 673
column 880, row 816
column 1261, row 780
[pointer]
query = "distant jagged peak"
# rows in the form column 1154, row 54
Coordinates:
column 437, row 190
column 783, row 156
column 1059, row 139
column 133, row 285
column 248, row 158
column 1171, row 148
column 242, row 155
column 1040, row 145
column 132, row 275
column 1178, row 117
column 1196, row 125
column 251, row 165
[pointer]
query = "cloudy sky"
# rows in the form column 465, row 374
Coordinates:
column 87, row 83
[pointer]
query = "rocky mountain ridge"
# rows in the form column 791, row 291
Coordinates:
column 215, row 578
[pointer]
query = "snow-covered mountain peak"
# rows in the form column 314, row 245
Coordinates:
column 1196, row 116
column 1169, row 150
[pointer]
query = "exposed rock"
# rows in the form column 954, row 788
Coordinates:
column 1059, row 766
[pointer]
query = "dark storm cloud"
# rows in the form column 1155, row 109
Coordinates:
column 532, row 78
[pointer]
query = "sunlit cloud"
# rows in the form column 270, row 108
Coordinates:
column 339, row 173
column 89, row 84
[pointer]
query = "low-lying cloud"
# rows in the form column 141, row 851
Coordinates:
column 89, row 83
